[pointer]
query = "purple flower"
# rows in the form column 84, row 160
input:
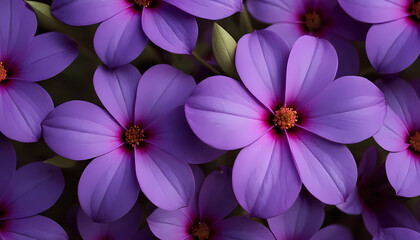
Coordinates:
column 396, row 233
column 144, row 139
column 291, row 118
column 393, row 43
column 375, row 199
column 25, row 59
column 400, row 136
column 303, row 220
column 322, row 18
column 128, row 24
column 416, row 85
column 123, row 229
column 26, row 192
column 203, row 218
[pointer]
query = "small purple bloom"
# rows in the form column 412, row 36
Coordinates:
column 203, row 218
column 26, row 192
column 291, row 119
column 25, row 59
column 400, row 135
column 128, row 24
column 396, row 233
column 123, row 229
column 303, row 221
column 375, row 199
column 322, row 18
column 143, row 139
column 393, row 42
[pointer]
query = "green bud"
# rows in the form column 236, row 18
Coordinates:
column 224, row 47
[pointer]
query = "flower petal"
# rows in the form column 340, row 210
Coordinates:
column 264, row 173
column 26, row 198
column 301, row 221
column 161, row 89
column 86, row 12
column 36, row 227
column 274, row 11
column 366, row 169
column 170, row 225
column 210, row 9
column 326, row 6
column 370, row 220
column 345, row 26
column 8, row 163
column 396, row 233
column 100, row 193
column 390, row 214
column 348, row 57
column 241, row 227
column 119, row 40
column 290, row 32
column 89, row 229
column 261, row 59
column 124, row 228
column 331, row 232
column 349, row 110
column 416, row 85
column 23, row 106
column 47, row 55
column 327, row 169
column 178, row 139
column 375, row 11
column 168, row 182
column 86, row 130
column 127, row 226
column 393, row 134
column 117, row 88
column 311, row 67
column 223, row 114
column 403, row 115
column 192, row 208
column 353, row 204
column 392, row 47
column 403, row 171
column 216, row 198
column 367, row 165
column 17, row 28
column 170, row 28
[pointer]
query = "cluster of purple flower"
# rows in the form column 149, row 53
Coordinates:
column 294, row 105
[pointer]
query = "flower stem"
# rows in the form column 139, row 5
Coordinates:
column 246, row 20
column 207, row 65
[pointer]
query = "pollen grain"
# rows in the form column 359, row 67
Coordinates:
column 134, row 136
column 3, row 72
column 285, row 118
column 415, row 142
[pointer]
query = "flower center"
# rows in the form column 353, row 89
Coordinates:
column 415, row 10
column 415, row 142
column 200, row 231
column 3, row 72
column 144, row 3
column 134, row 136
column 285, row 118
column 312, row 21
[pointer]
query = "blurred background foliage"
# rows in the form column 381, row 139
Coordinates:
column 75, row 83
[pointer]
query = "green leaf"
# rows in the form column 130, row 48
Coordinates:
column 60, row 162
column 45, row 18
column 81, row 35
column 224, row 48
